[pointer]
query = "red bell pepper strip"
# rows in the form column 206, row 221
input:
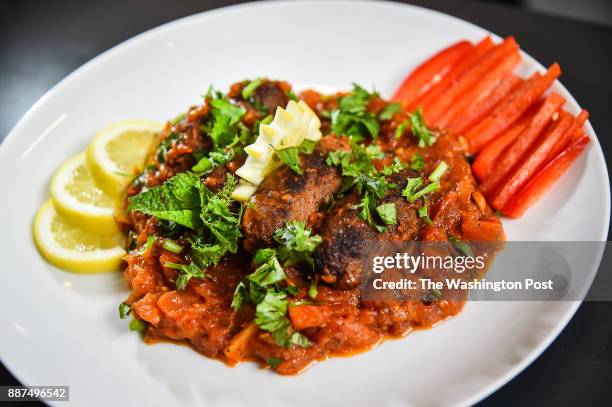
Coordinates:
column 469, row 78
column 487, row 159
column 510, row 109
column 532, row 162
column 572, row 134
column 467, row 61
column 483, row 86
column 465, row 119
column 544, row 179
column 430, row 72
column 521, row 145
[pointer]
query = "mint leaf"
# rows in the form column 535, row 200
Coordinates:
column 176, row 200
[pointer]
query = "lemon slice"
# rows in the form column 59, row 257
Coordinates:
column 71, row 248
column 290, row 127
column 119, row 151
column 79, row 200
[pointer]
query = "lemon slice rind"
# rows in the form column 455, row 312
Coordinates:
column 88, row 215
column 108, row 175
column 75, row 260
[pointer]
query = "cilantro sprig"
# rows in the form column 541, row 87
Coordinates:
column 263, row 287
column 424, row 136
column 352, row 117
column 359, row 172
column 415, row 189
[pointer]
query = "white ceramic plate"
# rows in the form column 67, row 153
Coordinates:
column 58, row 328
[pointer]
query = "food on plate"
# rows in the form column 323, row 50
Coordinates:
column 276, row 279
column 253, row 219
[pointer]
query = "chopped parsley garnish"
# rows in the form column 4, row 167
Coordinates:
column 296, row 243
column 290, row 157
column 172, row 246
column 248, row 90
column 390, row 110
column 124, row 310
column 150, row 242
column 424, row 136
column 394, row 167
column 401, row 129
column 420, row 130
column 352, row 117
column 263, row 286
column 186, row 273
column 438, row 172
column 412, row 191
column 312, row 291
column 137, row 325
column 387, row 213
column 274, row 362
column 417, row 163
column 423, row 212
column 359, row 172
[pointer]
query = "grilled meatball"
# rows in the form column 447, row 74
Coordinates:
column 286, row 196
column 271, row 95
column 349, row 243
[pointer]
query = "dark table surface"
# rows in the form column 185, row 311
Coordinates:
column 42, row 41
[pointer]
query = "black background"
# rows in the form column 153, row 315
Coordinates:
column 43, row 41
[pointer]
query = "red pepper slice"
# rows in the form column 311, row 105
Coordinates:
column 430, row 72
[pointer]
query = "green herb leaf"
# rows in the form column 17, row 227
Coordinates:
column 124, row 310
column 137, row 325
column 462, row 246
column 268, row 273
column 352, row 117
column 296, row 242
column 248, row 90
column 176, row 200
column 417, row 162
column 172, row 246
column 420, row 130
column 401, row 129
column 411, row 187
column 274, row 362
column 423, row 212
column 187, row 272
column 390, row 110
column 395, row 167
column 438, row 172
column 312, row 291
column 387, row 213
column 240, row 294
column 290, row 157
